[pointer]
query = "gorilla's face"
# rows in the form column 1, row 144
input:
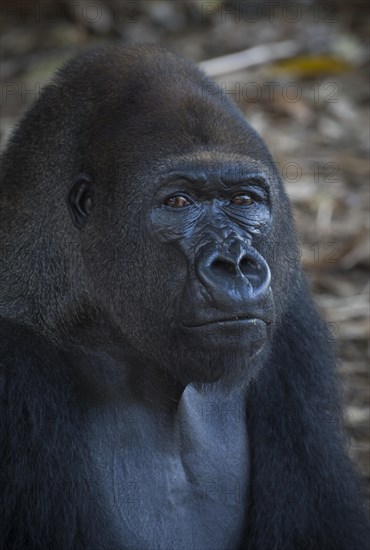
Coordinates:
column 210, row 216
column 186, row 215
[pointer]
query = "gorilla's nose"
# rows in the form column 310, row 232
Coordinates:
column 233, row 273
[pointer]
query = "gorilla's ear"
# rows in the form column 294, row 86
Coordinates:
column 80, row 200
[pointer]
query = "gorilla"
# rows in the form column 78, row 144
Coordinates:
column 166, row 382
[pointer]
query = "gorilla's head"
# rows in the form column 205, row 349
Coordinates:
column 178, row 225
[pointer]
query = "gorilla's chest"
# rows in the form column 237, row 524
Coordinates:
column 178, row 485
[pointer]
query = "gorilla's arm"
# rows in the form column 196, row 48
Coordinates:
column 47, row 497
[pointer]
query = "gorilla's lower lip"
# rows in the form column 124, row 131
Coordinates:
column 237, row 319
column 242, row 334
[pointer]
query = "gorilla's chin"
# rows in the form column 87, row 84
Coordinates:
column 232, row 366
column 245, row 336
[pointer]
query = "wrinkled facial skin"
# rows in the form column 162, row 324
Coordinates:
column 211, row 218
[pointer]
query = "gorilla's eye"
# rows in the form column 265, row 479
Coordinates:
column 242, row 200
column 177, row 202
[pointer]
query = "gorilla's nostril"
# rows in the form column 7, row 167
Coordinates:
column 224, row 267
column 250, row 269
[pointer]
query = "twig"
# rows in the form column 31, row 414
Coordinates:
column 250, row 57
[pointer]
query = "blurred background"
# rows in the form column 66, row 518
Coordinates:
column 299, row 72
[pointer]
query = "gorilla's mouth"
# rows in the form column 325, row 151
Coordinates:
column 243, row 319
